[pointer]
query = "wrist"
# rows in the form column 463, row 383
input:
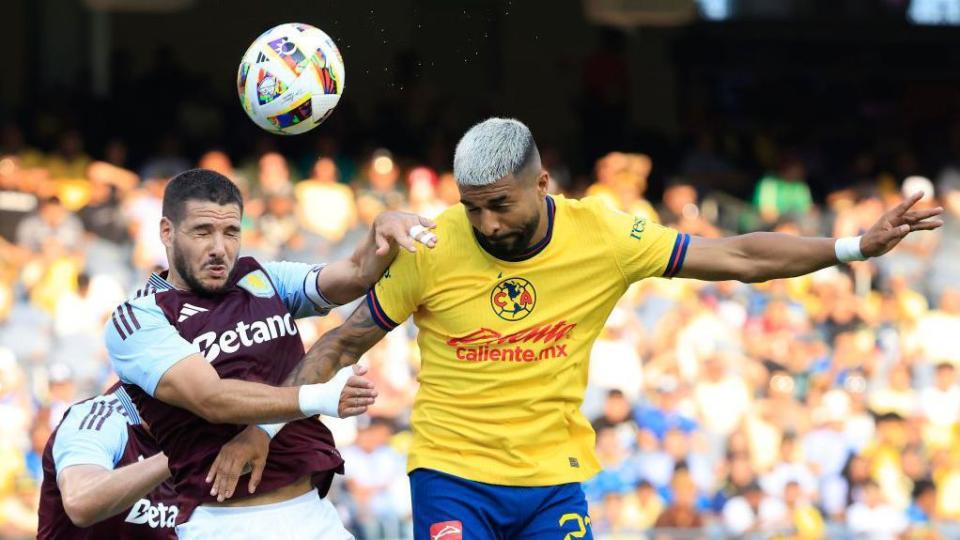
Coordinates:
column 271, row 429
column 847, row 249
column 323, row 398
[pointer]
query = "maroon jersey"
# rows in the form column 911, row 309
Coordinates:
column 105, row 431
column 247, row 333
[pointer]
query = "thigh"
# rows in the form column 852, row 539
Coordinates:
column 561, row 514
column 450, row 508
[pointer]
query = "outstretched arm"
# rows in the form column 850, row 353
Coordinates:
column 763, row 256
column 344, row 280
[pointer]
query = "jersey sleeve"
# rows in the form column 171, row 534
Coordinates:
column 92, row 433
column 142, row 344
column 641, row 247
column 296, row 283
column 398, row 293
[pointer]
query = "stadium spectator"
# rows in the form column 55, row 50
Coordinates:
column 784, row 192
column 325, row 206
column 873, row 517
column 52, row 223
column 376, row 481
column 754, row 512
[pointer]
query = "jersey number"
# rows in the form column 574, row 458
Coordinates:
column 580, row 522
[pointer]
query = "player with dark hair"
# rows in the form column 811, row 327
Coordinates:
column 203, row 347
column 508, row 308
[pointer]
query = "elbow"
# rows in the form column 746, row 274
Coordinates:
column 78, row 509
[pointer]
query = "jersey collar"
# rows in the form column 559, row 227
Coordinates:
column 534, row 249
column 159, row 282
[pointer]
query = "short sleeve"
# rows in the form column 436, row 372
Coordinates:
column 641, row 247
column 296, row 283
column 92, row 433
column 142, row 344
column 398, row 293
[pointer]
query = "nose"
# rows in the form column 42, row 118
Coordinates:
column 218, row 247
column 489, row 224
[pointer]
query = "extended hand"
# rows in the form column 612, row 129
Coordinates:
column 247, row 451
column 896, row 224
column 394, row 228
column 357, row 394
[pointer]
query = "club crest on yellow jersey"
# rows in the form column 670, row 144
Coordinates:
column 512, row 299
column 257, row 283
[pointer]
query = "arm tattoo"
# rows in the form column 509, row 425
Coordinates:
column 343, row 346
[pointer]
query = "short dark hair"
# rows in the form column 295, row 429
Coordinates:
column 198, row 185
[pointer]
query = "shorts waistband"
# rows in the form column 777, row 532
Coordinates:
column 306, row 498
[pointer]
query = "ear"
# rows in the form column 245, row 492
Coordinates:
column 166, row 232
column 543, row 183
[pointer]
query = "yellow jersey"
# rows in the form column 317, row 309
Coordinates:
column 505, row 344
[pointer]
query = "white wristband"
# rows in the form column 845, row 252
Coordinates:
column 848, row 249
column 272, row 429
column 324, row 398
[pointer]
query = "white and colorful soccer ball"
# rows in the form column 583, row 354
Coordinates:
column 290, row 79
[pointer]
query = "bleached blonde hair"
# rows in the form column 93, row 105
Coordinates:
column 491, row 150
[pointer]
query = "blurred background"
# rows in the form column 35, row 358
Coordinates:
column 825, row 406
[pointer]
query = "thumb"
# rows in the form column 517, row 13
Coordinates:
column 256, row 475
column 427, row 222
column 359, row 369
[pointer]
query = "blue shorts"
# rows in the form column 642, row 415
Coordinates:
column 447, row 507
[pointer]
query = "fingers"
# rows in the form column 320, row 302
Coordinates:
column 212, row 473
column 357, row 385
column 227, row 483
column 926, row 225
column 902, row 208
column 406, row 241
column 914, row 216
column 383, row 246
column 256, row 474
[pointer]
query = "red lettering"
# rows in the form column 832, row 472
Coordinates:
column 528, row 355
column 483, row 335
column 549, row 333
column 526, row 298
column 498, row 299
column 495, row 354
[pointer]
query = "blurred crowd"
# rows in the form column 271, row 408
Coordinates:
column 825, row 406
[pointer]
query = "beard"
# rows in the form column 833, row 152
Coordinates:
column 192, row 281
column 515, row 244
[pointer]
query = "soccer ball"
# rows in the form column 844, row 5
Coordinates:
column 290, row 79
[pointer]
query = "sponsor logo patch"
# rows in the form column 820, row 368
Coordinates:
column 446, row 530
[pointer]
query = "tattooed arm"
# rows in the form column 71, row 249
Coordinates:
column 341, row 347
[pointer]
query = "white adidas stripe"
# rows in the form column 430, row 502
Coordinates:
column 189, row 310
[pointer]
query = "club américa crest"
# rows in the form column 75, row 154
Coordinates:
column 513, row 298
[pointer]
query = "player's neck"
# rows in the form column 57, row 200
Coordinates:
column 543, row 227
column 174, row 279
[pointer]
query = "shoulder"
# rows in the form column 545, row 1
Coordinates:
column 100, row 415
column 588, row 211
column 138, row 314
